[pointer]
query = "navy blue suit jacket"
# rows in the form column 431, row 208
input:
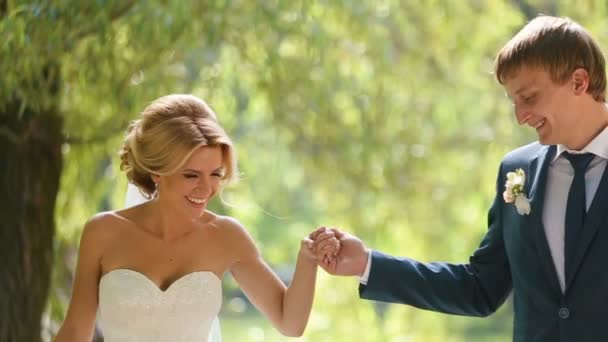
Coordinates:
column 513, row 255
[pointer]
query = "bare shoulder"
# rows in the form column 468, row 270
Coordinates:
column 231, row 227
column 102, row 223
column 227, row 223
column 235, row 232
column 101, row 228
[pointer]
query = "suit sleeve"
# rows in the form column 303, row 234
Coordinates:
column 474, row 289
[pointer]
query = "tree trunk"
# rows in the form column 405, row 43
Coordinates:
column 30, row 168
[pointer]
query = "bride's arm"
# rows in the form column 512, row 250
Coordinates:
column 288, row 308
column 79, row 323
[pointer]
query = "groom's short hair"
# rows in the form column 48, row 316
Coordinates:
column 557, row 45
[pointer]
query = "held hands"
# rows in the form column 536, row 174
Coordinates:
column 327, row 253
column 339, row 253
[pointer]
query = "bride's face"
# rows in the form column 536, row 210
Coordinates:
column 195, row 183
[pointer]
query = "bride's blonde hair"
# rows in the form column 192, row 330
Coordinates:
column 168, row 132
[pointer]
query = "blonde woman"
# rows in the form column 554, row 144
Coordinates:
column 154, row 270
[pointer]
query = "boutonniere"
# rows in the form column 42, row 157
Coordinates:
column 514, row 191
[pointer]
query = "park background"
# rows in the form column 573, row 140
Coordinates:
column 381, row 117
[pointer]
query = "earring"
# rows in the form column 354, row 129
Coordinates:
column 156, row 189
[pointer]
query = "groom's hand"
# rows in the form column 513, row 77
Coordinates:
column 351, row 258
column 325, row 254
column 331, row 247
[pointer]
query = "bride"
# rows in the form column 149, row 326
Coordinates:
column 154, row 270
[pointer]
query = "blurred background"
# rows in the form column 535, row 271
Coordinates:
column 381, row 117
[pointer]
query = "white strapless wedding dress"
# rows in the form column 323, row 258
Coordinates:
column 132, row 308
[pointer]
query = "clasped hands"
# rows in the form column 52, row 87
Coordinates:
column 337, row 252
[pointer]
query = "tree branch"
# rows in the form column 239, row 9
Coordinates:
column 115, row 14
column 3, row 8
column 14, row 138
column 109, row 130
column 91, row 140
column 531, row 11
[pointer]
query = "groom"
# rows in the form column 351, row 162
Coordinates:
column 547, row 238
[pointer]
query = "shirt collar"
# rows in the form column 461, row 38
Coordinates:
column 598, row 146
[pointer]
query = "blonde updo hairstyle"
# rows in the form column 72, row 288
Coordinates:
column 165, row 136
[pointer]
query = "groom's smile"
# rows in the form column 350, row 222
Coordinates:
column 538, row 125
column 543, row 104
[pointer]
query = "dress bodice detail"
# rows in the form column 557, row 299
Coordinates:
column 133, row 308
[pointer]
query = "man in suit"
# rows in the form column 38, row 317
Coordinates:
column 547, row 237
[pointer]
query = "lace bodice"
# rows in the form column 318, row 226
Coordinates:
column 133, row 308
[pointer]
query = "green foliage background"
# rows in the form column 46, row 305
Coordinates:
column 381, row 117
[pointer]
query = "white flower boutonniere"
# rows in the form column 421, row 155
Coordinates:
column 514, row 191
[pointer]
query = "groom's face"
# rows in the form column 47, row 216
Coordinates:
column 542, row 104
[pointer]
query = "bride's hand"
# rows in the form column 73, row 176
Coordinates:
column 307, row 249
column 325, row 255
column 326, row 246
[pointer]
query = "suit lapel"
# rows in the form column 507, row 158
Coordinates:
column 538, row 169
column 595, row 217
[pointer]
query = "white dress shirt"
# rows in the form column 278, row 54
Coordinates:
column 559, row 178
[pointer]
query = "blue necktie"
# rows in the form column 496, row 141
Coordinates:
column 576, row 208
